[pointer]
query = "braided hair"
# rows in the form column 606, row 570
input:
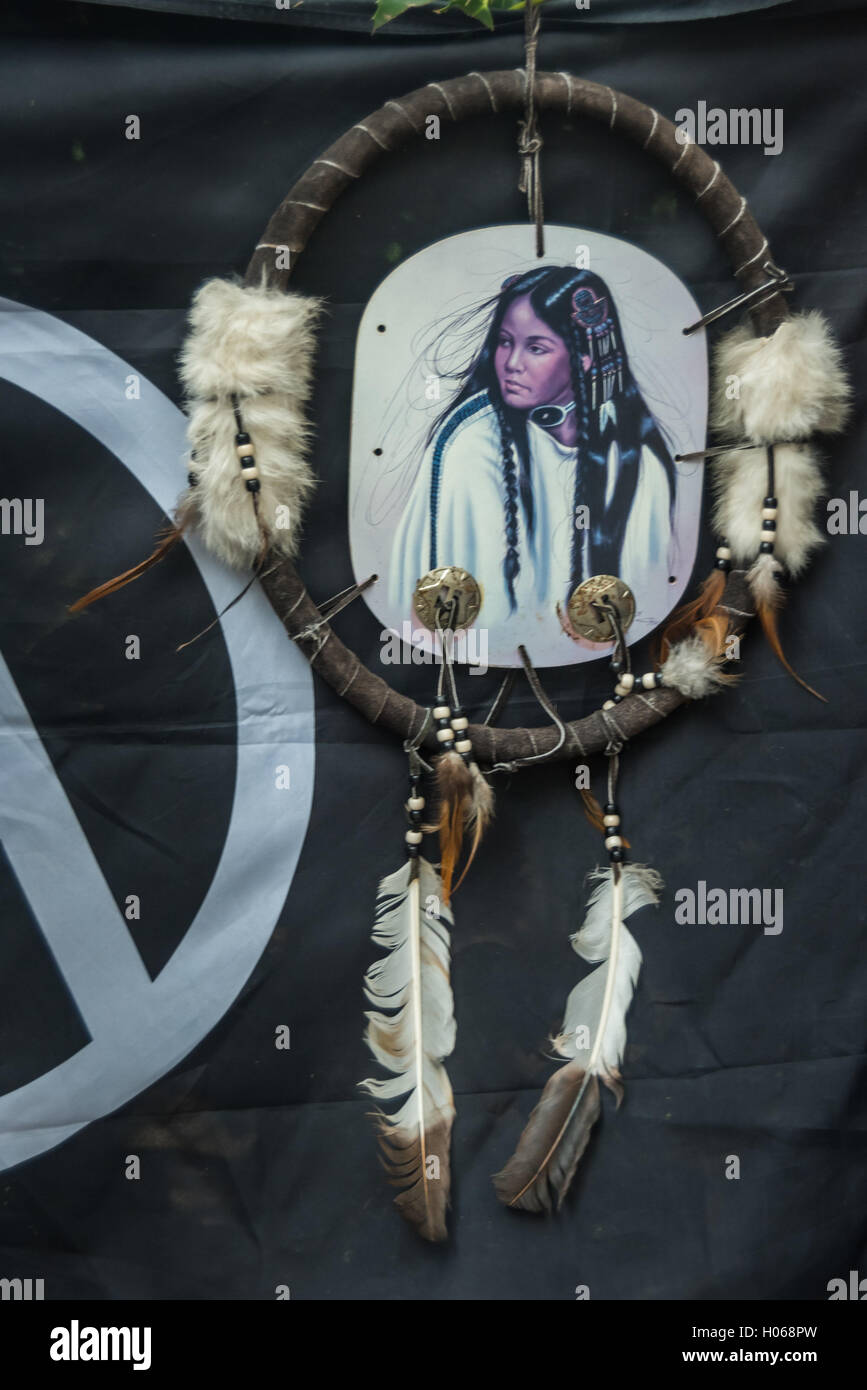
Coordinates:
column 552, row 292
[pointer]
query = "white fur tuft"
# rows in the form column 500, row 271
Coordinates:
column 764, row 581
column 788, row 385
column 258, row 344
column 740, row 481
column 692, row 668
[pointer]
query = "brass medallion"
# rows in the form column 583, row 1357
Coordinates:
column 447, row 597
column 589, row 618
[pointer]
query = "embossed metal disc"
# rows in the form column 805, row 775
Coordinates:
column 448, row 597
column 591, row 622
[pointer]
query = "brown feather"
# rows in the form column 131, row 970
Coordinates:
column 768, row 619
column 593, row 812
column 424, row 1200
column 556, row 1135
column 479, row 815
column 168, row 538
column 685, row 618
column 455, row 785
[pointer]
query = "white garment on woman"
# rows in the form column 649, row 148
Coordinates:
column 471, row 522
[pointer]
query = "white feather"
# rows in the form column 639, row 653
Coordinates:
column 785, row 386
column 258, row 344
column 599, row 1002
column 414, row 1034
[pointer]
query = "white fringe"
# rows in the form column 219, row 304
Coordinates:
column 258, row 344
column 788, row 385
column 740, row 482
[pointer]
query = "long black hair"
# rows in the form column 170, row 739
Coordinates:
column 552, row 294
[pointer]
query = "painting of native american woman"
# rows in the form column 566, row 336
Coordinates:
column 549, row 420
column 545, row 464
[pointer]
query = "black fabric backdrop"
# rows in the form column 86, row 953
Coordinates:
column 259, row 1167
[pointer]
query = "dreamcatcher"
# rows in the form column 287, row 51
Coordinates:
column 247, row 371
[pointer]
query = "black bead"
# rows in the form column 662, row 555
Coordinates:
column 415, row 817
column 242, row 438
column 611, row 809
column 615, row 855
column 724, row 565
column 253, row 484
column 444, row 724
column 412, row 851
column 769, row 526
column 457, row 712
column 616, row 666
column 769, row 502
column 766, row 548
column 414, row 779
column 617, row 699
column 192, row 479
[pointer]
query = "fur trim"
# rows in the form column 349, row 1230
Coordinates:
column 692, row 668
column 257, row 344
column 790, row 384
column 740, row 481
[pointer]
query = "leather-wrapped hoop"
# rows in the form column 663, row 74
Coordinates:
column 291, row 227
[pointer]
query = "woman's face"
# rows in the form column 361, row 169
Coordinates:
column 531, row 360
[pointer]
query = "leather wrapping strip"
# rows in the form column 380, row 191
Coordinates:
column 387, row 708
column 493, row 93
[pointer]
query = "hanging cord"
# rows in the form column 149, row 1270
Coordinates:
column 536, row 687
column 529, row 139
column 771, row 477
column 500, row 700
column 412, row 745
column 620, row 658
column 612, row 753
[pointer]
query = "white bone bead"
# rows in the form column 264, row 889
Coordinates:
column 441, row 712
column 464, row 745
column 648, row 680
column 413, row 837
column 460, row 722
column 627, row 680
column 609, row 704
column 416, row 803
column 613, row 842
column 445, row 735
column 769, row 513
column 723, row 553
column 244, row 451
column 611, row 820
column 250, row 472
column 622, row 689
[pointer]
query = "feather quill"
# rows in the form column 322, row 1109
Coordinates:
column 593, row 1037
column 410, row 1032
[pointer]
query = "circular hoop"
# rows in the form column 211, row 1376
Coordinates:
column 291, row 227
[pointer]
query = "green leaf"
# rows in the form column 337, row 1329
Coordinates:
column 475, row 9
